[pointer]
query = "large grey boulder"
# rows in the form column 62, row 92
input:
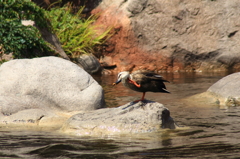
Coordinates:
column 44, row 89
column 131, row 118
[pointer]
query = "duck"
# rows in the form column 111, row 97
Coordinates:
column 142, row 81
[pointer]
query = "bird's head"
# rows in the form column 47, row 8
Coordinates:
column 121, row 76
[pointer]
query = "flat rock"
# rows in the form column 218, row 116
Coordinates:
column 131, row 118
column 43, row 90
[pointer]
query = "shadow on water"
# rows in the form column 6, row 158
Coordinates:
column 208, row 132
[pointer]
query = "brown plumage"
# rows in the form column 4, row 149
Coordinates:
column 142, row 81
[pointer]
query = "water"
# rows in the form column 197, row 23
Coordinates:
column 207, row 131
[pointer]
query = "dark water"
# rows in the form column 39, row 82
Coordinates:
column 208, row 131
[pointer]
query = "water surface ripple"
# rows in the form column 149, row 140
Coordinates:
column 208, row 131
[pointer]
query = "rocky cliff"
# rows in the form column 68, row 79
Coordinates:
column 178, row 35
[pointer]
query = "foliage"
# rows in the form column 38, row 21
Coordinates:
column 22, row 10
column 23, row 41
column 77, row 35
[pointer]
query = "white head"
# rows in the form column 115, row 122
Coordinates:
column 122, row 76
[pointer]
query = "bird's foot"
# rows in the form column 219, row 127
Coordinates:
column 135, row 83
column 142, row 99
column 136, row 101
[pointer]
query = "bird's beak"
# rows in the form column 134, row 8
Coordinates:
column 118, row 81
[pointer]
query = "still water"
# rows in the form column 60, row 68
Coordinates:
column 207, row 131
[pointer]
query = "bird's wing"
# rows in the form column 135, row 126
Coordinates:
column 146, row 76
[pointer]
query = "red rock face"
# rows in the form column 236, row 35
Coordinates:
column 123, row 50
column 165, row 37
column 121, row 47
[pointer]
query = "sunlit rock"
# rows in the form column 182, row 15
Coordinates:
column 131, row 118
column 224, row 92
column 227, row 90
column 174, row 36
column 45, row 90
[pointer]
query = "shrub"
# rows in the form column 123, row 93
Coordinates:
column 76, row 34
column 22, row 41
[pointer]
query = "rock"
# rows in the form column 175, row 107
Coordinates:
column 224, row 92
column 45, row 90
column 89, row 63
column 6, row 57
column 107, row 62
column 127, row 119
column 172, row 35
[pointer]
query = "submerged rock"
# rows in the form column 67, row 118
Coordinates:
column 131, row 118
column 45, row 90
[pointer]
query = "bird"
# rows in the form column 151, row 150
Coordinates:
column 142, row 81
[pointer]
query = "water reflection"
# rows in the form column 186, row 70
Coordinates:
column 207, row 132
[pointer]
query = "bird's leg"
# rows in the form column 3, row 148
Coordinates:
column 133, row 82
column 143, row 96
column 142, row 99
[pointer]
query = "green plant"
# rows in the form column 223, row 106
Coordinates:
column 22, row 41
column 77, row 35
column 23, row 10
